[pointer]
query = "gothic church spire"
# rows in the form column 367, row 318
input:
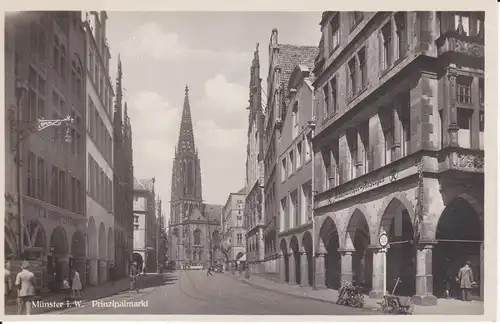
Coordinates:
column 186, row 137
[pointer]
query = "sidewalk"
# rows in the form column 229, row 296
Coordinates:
column 443, row 307
column 90, row 293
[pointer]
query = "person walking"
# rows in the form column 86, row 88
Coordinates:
column 7, row 280
column 209, row 271
column 25, row 284
column 134, row 273
column 76, row 284
column 66, row 288
column 466, row 279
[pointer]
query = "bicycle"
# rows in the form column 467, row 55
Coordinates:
column 392, row 304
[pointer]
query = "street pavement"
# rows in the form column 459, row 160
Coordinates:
column 194, row 293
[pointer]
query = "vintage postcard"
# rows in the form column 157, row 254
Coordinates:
column 249, row 162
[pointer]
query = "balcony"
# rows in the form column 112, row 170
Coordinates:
column 460, row 159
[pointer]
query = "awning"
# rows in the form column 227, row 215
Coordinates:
column 242, row 258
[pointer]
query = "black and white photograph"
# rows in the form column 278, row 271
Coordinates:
column 249, row 163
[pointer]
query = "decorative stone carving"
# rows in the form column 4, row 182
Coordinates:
column 471, row 161
column 469, row 48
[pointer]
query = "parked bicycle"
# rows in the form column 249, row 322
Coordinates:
column 351, row 295
column 396, row 305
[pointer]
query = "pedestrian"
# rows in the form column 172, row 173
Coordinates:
column 466, row 280
column 25, row 284
column 66, row 288
column 76, row 284
column 7, row 280
column 134, row 273
column 209, row 271
column 112, row 274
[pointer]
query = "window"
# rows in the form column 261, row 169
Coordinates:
column 308, row 147
column 299, row 154
column 352, row 78
column 464, row 90
column 335, row 33
column 30, row 188
column 283, row 211
column 386, row 46
column 363, row 130
column 481, row 120
column 290, row 163
column 462, row 24
column 136, row 227
column 40, row 178
column 326, row 95
column 59, row 58
column 63, row 189
column 352, row 142
column 327, row 164
column 464, row 121
column 37, row 89
column 54, row 185
column 362, row 68
column 387, row 120
column 404, row 117
column 401, row 34
column 197, row 237
column 295, row 119
column 294, row 210
column 79, row 197
column 481, row 92
column 307, row 200
column 239, row 239
column 333, row 88
column 334, row 172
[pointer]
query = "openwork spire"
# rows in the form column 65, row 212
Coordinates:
column 186, row 136
column 119, row 93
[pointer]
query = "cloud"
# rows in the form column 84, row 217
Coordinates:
column 212, row 136
column 225, row 95
column 150, row 40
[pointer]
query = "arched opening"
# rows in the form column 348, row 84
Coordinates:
column 401, row 262
column 308, row 244
column 294, row 246
column 460, row 236
column 358, row 239
column 34, row 240
column 330, row 238
column 101, row 275
column 57, row 268
column 197, row 237
column 284, row 251
column 111, row 245
column 78, row 245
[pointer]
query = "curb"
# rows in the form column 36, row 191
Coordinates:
column 248, row 282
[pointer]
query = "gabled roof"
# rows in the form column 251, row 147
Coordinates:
column 242, row 191
column 212, row 212
column 148, row 184
column 138, row 185
column 292, row 55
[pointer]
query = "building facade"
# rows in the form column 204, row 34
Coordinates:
column 283, row 59
column 195, row 226
column 399, row 149
column 294, row 185
column 47, row 54
column 99, row 147
column 144, row 249
column 254, row 200
column 232, row 229
column 123, row 182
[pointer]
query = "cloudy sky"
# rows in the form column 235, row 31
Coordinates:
column 211, row 52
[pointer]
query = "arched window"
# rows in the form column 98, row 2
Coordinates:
column 197, row 237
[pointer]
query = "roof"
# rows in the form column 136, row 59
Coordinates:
column 212, row 212
column 242, row 191
column 138, row 185
column 292, row 55
column 148, row 184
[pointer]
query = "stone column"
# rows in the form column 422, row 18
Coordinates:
column 360, row 167
column 424, row 282
column 378, row 272
column 304, row 270
column 346, row 266
column 319, row 273
column 281, row 268
column 452, row 108
column 291, row 269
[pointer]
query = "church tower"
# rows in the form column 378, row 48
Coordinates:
column 186, row 172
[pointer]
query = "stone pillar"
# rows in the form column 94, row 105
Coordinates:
column 346, row 266
column 281, row 268
column 452, row 108
column 396, row 146
column 378, row 272
column 319, row 273
column 291, row 269
column 304, row 270
column 424, row 282
column 360, row 149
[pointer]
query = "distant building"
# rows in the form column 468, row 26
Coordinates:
column 285, row 61
column 232, row 230
column 99, row 149
column 399, row 149
column 195, row 226
column 145, row 224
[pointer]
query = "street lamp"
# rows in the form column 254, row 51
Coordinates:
column 41, row 124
